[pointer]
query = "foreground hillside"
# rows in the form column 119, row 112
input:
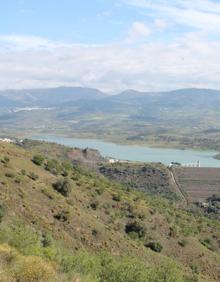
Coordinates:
column 61, row 221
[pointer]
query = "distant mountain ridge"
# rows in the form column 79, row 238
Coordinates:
column 60, row 96
column 184, row 117
column 45, row 97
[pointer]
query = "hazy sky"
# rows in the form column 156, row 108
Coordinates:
column 110, row 44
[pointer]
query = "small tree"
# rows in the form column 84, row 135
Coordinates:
column 63, row 187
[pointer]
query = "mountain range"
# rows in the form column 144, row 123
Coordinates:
column 63, row 95
column 182, row 118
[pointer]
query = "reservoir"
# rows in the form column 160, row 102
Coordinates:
column 137, row 152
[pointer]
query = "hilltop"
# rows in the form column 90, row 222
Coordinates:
column 62, row 220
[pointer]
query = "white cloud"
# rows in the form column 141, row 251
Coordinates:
column 24, row 42
column 188, row 62
column 138, row 31
column 160, row 24
column 200, row 14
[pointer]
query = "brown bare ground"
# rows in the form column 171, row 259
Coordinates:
column 198, row 183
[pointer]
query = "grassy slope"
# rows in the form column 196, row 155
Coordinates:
column 96, row 213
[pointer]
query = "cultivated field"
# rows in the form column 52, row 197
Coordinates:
column 197, row 184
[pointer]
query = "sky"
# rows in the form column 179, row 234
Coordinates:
column 111, row 45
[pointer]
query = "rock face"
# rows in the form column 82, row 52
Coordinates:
column 150, row 178
column 86, row 156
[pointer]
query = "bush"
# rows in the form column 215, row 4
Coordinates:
column 33, row 269
column 63, row 187
column 154, row 246
column 62, row 216
column 94, row 205
column 208, row 243
column 116, row 197
column 6, row 160
column 106, row 268
column 123, row 269
column 173, row 231
column 168, row 272
column 7, row 254
column 10, row 174
column 23, row 172
column 135, row 227
column 53, row 166
column 20, row 237
column 33, row 176
column 38, row 159
column 67, row 165
column 183, row 243
column 18, row 180
column 82, row 263
column 47, row 240
column 2, row 212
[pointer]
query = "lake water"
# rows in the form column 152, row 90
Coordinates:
column 138, row 153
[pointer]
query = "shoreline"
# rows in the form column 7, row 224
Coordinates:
column 124, row 142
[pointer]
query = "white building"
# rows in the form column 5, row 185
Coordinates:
column 112, row 161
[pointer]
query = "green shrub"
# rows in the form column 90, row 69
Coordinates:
column 62, row 216
column 63, row 187
column 23, row 172
column 21, row 237
column 116, row 197
column 135, row 227
column 183, row 243
column 6, row 160
column 123, row 270
column 168, row 272
column 65, row 173
column 67, row 165
column 173, row 231
column 33, row 176
column 154, row 246
column 53, row 166
column 47, row 240
column 38, row 159
column 208, row 243
column 94, row 204
column 133, row 235
column 10, row 174
column 18, row 179
column 82, row 263
column 2, row 212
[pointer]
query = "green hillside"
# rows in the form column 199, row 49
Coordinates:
column 65, row 221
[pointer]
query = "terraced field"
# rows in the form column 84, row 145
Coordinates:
column 197, row 184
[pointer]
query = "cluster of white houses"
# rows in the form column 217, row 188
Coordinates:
column 6, row 140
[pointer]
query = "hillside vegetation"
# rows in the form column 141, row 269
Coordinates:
column 63, row 221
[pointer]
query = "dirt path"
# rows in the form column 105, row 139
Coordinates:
column 177, row 188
